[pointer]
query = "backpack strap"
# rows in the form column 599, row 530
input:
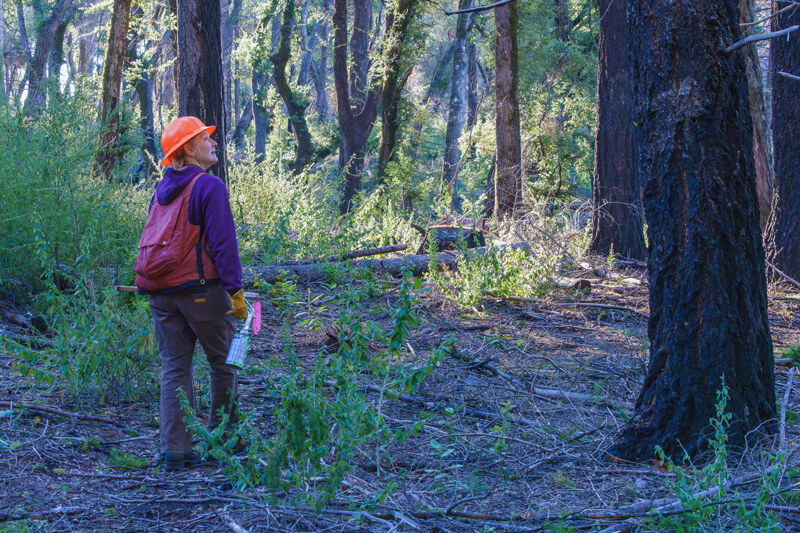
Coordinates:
column 198, row 248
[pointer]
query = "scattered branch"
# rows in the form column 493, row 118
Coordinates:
column 760, row 37
column 479, row 8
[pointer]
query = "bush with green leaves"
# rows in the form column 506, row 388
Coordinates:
column 708, row 504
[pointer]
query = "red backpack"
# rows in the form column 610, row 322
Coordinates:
column 164, row 243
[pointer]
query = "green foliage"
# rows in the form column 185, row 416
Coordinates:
column 126, row 461
column 703, row 493
column 793, row 353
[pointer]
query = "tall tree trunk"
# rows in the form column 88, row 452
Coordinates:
column 143, row 85
column 457, row 109
column 508, row 174
column 233, row 22
column 356, row 101
column 307, row 45
column 261, row 115
column 708, row 299
column 397, row 22
column 561, row 10
column 200, row 80
column 472, row 82
column 762, row 136
column 57, row 57
column 295, row 104
column 319, row 72
column 2, row 53
column 237, row 138
column 617, row 217
column 44, row 44
column 108, row 149
column 784, row 233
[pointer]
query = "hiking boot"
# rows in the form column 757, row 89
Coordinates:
column 179, row 461
column 241, row 445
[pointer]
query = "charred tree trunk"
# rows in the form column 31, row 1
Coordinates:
column 708, row 301
column 397, row 22
column 200, row 79
column 762, row 136
column 356, row 99
column 295, row 104
column 561, row 10
column 44, row 44
column 457, row 110
column 784, row 234
column 508, row 174
column 108, row 148
column 617, row 217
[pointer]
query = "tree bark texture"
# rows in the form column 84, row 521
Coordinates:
column 508, row 176
column 394, row 79
column 200, row 78
column 44, row 44
column 357, row 104
column 784, row 233
column 762, row 135
column 2, row 51
column 319, row 71
column 295, row 104
column 708, row 301
column 108, row 148
column 246, row 118
column 261, row 114
column 57, row 56
column 617, row 214
column 457, row 110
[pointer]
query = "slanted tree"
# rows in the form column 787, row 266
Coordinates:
column 617, row 217
column 708, row 299
column 34, row 77
column 200, row 75
column 457, row 110
column 108, row 147
column 357, row 94
column 784, row 232
column 508, row 167
column 294, row 102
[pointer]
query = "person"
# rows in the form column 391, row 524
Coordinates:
column 189, row 265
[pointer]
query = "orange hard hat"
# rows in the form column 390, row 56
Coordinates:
column 179, row 132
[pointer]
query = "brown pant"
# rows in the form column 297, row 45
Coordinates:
column 181, row 319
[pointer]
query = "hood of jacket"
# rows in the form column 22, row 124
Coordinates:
column 174, row 182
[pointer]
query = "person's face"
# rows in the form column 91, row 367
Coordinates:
column 204, row 151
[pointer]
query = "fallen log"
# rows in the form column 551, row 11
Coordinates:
column 349, row 255
column 417, row 263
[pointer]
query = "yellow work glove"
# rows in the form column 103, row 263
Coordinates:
column 239, row 307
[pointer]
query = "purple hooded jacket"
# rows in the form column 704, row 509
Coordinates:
column 210, row 207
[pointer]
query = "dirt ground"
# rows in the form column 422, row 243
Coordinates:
column 518, row 419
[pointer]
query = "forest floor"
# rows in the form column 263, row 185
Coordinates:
column 518, row 419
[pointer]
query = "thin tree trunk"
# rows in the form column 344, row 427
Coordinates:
column 237, row 139
column 617, row 225
column 708, row 299
column 108, row 149
column 200, row 80
column 762, row 136
column 784, row 231
column 2, row 52
column 397, row 23
column 457, row 110
column 295, row 104
column 44, row 44
column 233, row 22
column 261, row 115
column 472, row 82
column 320, row 72
column 57, row 58
column 508, row 175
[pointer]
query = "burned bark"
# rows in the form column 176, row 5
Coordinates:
column 508, row 174
column 617, row 225
column 784, row 231
column 108, row 147
column 708, row 301
column 762, row 136
column 200, row 75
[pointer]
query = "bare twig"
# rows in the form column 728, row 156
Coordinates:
column 785, row 276
column 790, row 76
column 782, row 439
column 772, row 15
column 760, row 37
column 66, row 414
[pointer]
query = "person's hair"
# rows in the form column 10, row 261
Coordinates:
column 178, row 159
